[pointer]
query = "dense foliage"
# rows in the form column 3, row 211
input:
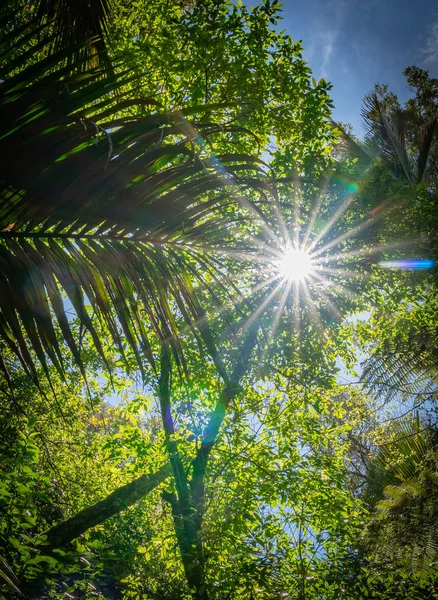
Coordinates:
column 179, row 417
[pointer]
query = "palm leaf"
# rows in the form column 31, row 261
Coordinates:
column 387, row 138
column 425, row 146
column 404, row 367
column 387, row 134
column 105, row 210
column 9, row 577
column 78, row 26
column 407, row 514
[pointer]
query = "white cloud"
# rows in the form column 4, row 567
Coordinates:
column 327, row 27
column 430, row 51
column 327, row 50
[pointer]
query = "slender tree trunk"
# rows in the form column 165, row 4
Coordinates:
column 183, row 509
column 199, row 465
column 62, row 534
column 188, row 503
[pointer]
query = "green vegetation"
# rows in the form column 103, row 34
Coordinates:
column 218, row 314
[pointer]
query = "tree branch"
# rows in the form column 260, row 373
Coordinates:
column 62, row 534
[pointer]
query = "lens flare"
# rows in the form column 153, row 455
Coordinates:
column 295, row 264
column 410, row 264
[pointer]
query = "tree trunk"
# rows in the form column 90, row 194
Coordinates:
column 62, row 534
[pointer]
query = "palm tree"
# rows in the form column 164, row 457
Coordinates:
column 404, row 526
column 387, row 137
column 405, row 365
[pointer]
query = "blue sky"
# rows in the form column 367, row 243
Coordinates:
column 355, row 44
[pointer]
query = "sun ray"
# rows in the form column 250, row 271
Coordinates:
column 274, row 250
column 341, row 272
column 370, row 250
column 316, row 208
column 280, row 219
column 346, row 236
column 256, row 288
column 295, row 313
column 296, row 217
column 345, row 291
column 248, row 256
column 332, row 307
column 311, row 223
column 276, row 253
column 280, row 308
column 333, row 283
column 251, row 207
column 314, row 312
column 234, row 300
column 277, row 316
column 262, row 307
column 225, row 178
column 333, row 220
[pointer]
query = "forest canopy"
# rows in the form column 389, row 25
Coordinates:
column 218, row 313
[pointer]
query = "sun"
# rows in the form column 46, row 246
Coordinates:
column 295, row 264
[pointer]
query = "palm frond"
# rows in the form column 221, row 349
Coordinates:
column 75, row 21
column 404, row 367
column 406, row 517
column 409, row 516
column 9, row 577
column 106, row 210
column 79, row 27
column 425, row 146
column 386, row 134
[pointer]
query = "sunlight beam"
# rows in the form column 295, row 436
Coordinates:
column 346, row 236
column 338, row 214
